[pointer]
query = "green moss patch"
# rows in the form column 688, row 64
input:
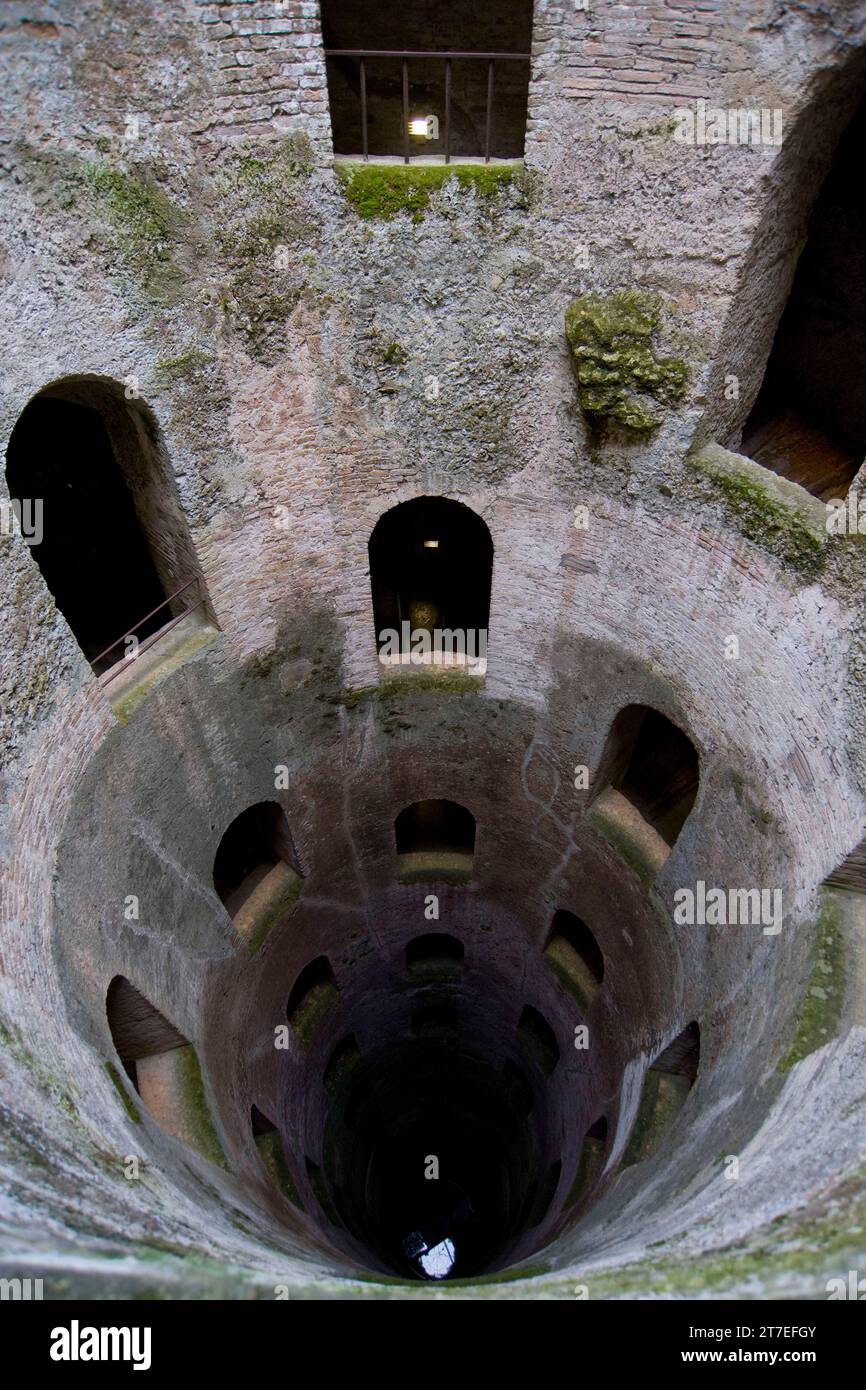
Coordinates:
column 274, row 913
column 620, row 378
column 176, row 648
column 435, row 866
column 196, row 1110
column 807, row 1248
column 270, row 1146
column 588, row 1170
column 116, row 1081
column 146, row 223
column 662, row 1098
column 640, row 850
column 395, row 355
column 381, row 192
column 268, row 175
column 310, row 1013
column 444, row 681
column 821, row 1011
column 571, row 971
column 447, row 680
column 184, row 367
column 768, row 510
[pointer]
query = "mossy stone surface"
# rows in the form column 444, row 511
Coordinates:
column 274, row 912
column 382, row 192
column 265, row 240
column 443, row 680
column 116, row 1081
column 635, row 842
column 146, row 222
column 821, row 1009
column 309, row 1014
column 195, row 1106
column 620, row 377
column 588, row 1170
column 573, row 973
column 769, row 510
column 270, row 1146
column 662, row 1097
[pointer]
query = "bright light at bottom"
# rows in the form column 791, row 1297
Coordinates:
column 418, row 126
column 439, row 1261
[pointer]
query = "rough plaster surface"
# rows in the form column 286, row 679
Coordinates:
column 290, row 431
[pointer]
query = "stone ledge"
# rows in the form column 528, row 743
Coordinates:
column 130, row 682
column 623, row 826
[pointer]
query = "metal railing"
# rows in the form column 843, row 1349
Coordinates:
column 491, row 59
column 115, row 669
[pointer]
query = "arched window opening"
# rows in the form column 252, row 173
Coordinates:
column 435, row 842
column 255, row 871
column 809, row 420
column 590, row 1163
column 432, row 106
column 654, row 766
column 431, row 566
column 435, row 957
column 544, row 1194
column 113, row 544
column 163, row 1067
column 313, row 994
column 138, row 1030
column 260, row 1123
column 341, row 1063
column 665, row 1091
column 574, row 954
column 322, row 1192
column 538, row 1040
column 269, row 1143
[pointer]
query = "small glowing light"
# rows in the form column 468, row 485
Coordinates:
column 438, row 1262
column 431, row 545
column 427, row 127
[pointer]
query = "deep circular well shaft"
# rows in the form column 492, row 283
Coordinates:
column 432, row 698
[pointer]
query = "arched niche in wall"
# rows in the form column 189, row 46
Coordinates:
column 808, row 422
column 435, row 842
column 313, row 993
column 666, row 1087
column 590, row 1161
column 269, row 1143
column 538, row 1039
column 255, row 871
column 163, row 1067
column 647, row 784
column 434, row 958
column 431, row 566
column 373, row 87
column 114, row 549
column 574, row 954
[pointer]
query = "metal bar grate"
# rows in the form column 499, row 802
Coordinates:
column 447, row 110
column 448, row 56
column 422, row 53
column 489, row 122
column 152, row 614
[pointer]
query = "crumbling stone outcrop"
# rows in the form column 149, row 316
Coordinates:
column 619, row 372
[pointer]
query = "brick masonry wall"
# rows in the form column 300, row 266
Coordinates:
column 269, row 69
